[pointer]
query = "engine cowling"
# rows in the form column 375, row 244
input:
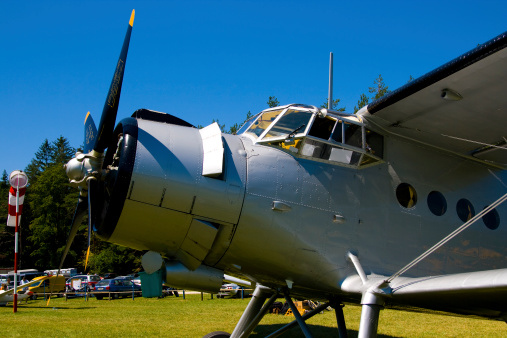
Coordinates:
column 156, row 197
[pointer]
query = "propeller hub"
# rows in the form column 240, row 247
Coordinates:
column 83, row 166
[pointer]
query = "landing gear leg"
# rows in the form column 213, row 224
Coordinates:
column 340, row 320
column 254, row 311
column 369, row 315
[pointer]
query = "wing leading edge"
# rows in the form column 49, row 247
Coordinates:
column 460, row 107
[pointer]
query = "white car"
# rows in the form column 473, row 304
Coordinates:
column 82, row 282
column 232, row 290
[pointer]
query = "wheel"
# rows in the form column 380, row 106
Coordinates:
column 99, row 297
column 217, row 334
column 34, row 297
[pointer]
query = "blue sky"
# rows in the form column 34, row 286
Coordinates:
column 205, row 60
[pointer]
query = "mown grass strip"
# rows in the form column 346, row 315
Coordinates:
column 176, row 317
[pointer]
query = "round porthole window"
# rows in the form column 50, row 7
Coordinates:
column 491, row 219
column 406, row 195
column 437, row 203
column 465, row 210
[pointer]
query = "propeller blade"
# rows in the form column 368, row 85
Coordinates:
column 79, row 215
column 92, row 207
column 90, row 133
column 108, row 118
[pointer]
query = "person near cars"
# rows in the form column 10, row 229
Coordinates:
column 24, row 281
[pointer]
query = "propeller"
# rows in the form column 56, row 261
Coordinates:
column 85, row 169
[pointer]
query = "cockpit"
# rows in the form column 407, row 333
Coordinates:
column 316, row 134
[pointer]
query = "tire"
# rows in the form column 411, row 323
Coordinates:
column 99, row 297
column 217, row 334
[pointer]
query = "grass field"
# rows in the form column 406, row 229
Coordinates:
column 176, row 317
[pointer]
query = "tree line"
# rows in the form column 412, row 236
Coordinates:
column 50, row 202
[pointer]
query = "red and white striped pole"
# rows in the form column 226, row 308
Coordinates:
column 19, row 180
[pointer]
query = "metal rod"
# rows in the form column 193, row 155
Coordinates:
column 15, row 305
column 330, row 92
column 254, row 322
column 306, row 316
column 340, row 320
column 254, row 306
column 369, row 321
column 299, row 319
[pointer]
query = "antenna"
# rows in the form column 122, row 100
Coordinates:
column 330, row 92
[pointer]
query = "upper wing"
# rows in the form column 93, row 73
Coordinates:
column 469, row 121
column 481, row 293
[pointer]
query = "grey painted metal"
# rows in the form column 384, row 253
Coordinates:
column 369, row 321
column 360, row 271
column 449, row 237
column 297, row 315
column 306, row 316
column 302, row 241
column 255, row 321
column 375, row 220
column 169, row 193
column 371, row 303
column 232, row 279
column 305, row 245
column 340, row 320
column 259, row 296
column 197, row 243
column 204, row 278
column 428, row 118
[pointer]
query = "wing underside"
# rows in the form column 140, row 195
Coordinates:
column 460, row 107
column 481, row 293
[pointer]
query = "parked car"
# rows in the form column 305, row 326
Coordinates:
column 109, row 275
column 82, row 283
column 47, row 284
column 117, row 287
column 232, row 290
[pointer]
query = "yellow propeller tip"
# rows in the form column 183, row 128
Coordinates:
column 86, row 118
column 131, row 22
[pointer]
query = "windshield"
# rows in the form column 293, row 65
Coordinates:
column 37, row 284
column 262, row 123
column 292, row 122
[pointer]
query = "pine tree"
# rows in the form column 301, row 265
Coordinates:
column 273, row 102
column 62, row 152
column 379, row 88
column 334, row 105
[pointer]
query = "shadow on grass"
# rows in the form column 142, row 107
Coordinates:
column 55, row 307
column 295, row 332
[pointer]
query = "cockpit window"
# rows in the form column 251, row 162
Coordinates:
column 306, row 132
column 262, row 123
column 291, row 123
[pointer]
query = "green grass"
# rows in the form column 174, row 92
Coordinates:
column 176, row 317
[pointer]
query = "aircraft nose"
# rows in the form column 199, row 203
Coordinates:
column 159, row 199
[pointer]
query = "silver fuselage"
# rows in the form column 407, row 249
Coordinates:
column 328, row 210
